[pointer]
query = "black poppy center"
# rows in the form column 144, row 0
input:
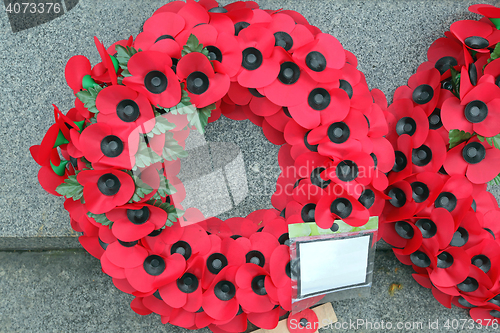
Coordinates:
column 252, row 58
column 398, row 197
column 347, row 171
column 468, row 285
column 423, row 94
column 367, row 198
column 218, row 10
column 128, row 244
column 303, row 322
column 288, row 270
column 154, row 265
column 258, row 285
column 307, row 212
column 316, row 61
column 444, row 260
column 155, row 233
column 446, row 200
column 316, row 178
column 283, row 39
column 473, row 74
column 476, row 111
column 420, row 191
column 111, row 146
column 404, row 229
column 138, row 216
column 216, row 262
column 214, row 53
column 224, row 290
column 128, row 110
column 240, row 26
column 313, row 148
column 335, row 227
column 460, row 237
column 474, row 153
column 476, row 42
column 406, row 125
column 400, row 161
column 197, row 83
column 289, row 73
column 427, row 227
column 108, row 184
column 347, row 87
column 462, row 301
column 183, row 248
column 421, row 156
column 162, row 37
column 443, row 64
column 420, row 259
column 319, row 99
column 341, row 207
column 338, row 132
column 435, row 119
column 482, row 261
column 155, row 82
column 256, row 257
column 188, row 283
column 284, row 239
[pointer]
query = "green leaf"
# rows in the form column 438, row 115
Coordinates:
column 495, row 54
column 101, row 219
column 193, row 45
column 162, row 125
column 199, row 119
column 495, row 181
column 173, row 214
column 123, row 55
column 457, row 137
column 71, row 188
column 455, row 81
column 172, row 150
column 145, row 156
column 184, row 107
column 87, row 97
column 165, row 188
column 141, row 190
column 492, row 141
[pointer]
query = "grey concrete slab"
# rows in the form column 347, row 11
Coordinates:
column 390, row 39
column 65, row 291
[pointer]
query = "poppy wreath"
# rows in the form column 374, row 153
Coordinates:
column 444, row 126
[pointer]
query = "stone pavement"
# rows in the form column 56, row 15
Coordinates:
column 64, row 291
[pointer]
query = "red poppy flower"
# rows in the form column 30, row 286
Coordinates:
column 377, row 123
column 156, row 304
column 258, row 248
column 430, row 156
column 487, row 315
column 337, row 139
column 489, row 11
column 322, row 58
column 452, row 267
column 96, row 239
column 109, row 67
column 135, row 221
column 445, row 52
column 404, row 236
column 407, row 119
column 160, row 32
column 337, row 204
column 402, row 167
column 153, row 77
column 287, row 34
column 237, row 324
column 219, row 300
column 222, row 47
column 204, row 86
column 298, row 137
column 281, row 275
column 106, row 146
column 323, row 104
column 490, row 224
column 278, row 228
column 106, row 189
column 401, row 205
column 268, row 320
column 159, row 239
column 124, row 107
column 225, row 252
column 478, row 111
column 477, row 160
column 78, row 73
column 426, row 186
column 258, row 103
column 476, row 35
column 259, row 68
column 423, row 89
column 485, row 255
column 254, row 287
column 186, row 291
column 194, row 241
column 292, row 84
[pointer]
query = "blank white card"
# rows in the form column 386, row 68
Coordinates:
column 332, row 264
